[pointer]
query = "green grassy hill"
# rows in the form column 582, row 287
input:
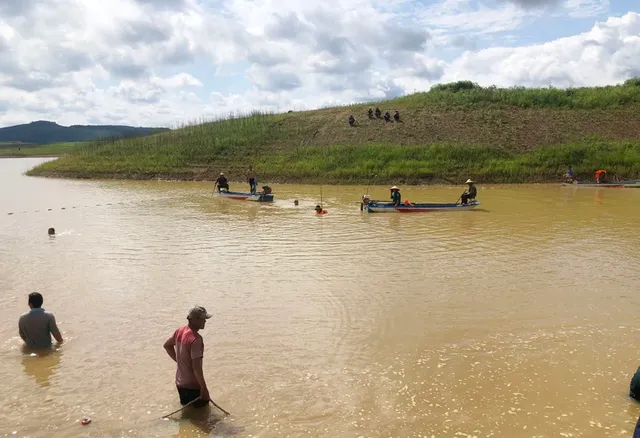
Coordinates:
column 452, row 132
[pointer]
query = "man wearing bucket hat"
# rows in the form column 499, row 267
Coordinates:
column 396, row 197
column 470, row 194
column 186, row 348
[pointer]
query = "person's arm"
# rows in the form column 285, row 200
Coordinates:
column 197, row 352
column 21, row 330
column 197, row 370
column 169, row 348
column 53, row 329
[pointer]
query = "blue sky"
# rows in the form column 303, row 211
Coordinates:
column 163, row 62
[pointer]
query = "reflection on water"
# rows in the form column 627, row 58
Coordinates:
column 41, row 365
column 517, row 319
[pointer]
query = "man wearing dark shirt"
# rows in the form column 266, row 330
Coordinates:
column 469, row 194
column 221, row 182
column 37, row 325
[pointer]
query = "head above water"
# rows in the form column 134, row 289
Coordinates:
column 35, row 300
column 318, row 208
column 295, row 202
column 51, row 231
column 197, row 317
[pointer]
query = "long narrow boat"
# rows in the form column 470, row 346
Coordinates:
column 388, row 207
column 265, row 196
column 609, row 184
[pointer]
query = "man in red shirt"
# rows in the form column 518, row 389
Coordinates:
column 186, row 348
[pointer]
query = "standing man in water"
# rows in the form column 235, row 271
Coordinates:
column 186, row 348
column 37, row 325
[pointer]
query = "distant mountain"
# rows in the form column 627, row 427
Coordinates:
column 43, row 132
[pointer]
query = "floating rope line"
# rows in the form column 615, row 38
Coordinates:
column 86, row 206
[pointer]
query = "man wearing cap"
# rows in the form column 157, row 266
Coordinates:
column 396, row 197
column 470, row 194
column 221, row 182
column 186, row 348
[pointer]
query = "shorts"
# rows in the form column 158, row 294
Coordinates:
column 187, row 395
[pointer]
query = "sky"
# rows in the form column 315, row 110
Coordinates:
column 171, row 62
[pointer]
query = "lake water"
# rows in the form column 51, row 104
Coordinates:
column 519, row 319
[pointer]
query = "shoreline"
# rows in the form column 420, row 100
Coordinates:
column 181, row 177
column 30, row 156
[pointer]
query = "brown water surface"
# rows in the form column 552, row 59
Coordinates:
column 515, row 320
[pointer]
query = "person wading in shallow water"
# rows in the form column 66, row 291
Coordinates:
column 37, row 326
column 186, row 348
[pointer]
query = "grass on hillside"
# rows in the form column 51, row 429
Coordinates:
column 318, row 146
column 467, row 93
column 438, row 163
column 34, row 150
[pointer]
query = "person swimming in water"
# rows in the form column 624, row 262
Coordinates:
column 320, row 210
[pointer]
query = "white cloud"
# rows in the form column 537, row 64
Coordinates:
column 606, row 54
column 586, row 8
column 162, row 62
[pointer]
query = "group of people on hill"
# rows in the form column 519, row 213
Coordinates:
column 377, row 114
column 600, row 175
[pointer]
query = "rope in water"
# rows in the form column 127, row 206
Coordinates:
column 85, row 206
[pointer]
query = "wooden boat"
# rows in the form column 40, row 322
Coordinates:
column 264, row 196
column 388, row 207
column 608, row 184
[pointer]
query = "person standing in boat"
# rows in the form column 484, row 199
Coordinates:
column 570, row 175
column 469, row 194
column 222, row 183
column 601, row 176
column 253, row 179
column 396, row 197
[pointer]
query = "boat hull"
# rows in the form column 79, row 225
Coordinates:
column 388, row 207
column 255, row 197
column 608, row 185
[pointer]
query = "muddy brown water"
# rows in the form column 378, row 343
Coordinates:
column 515, row 320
